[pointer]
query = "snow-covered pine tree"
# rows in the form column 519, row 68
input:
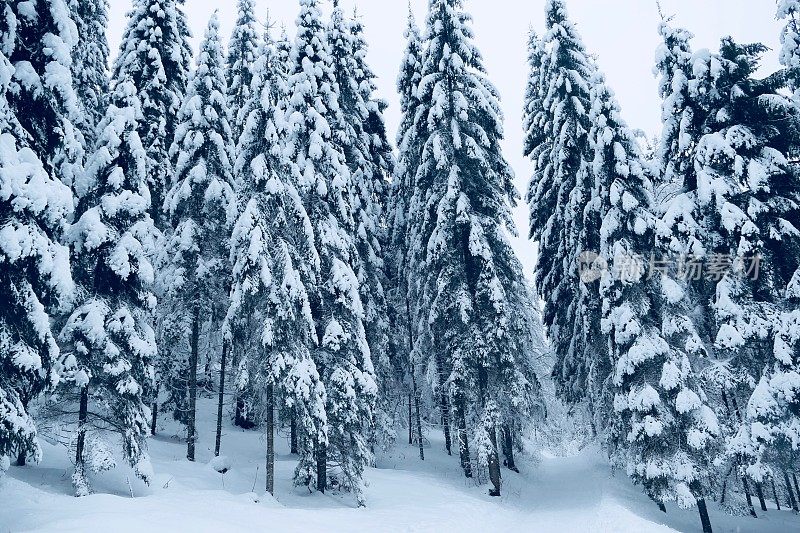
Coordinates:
column 90, row 64
column 370, row 162
column 748, row 190
column 201, row 205
column 274, row 257
column 402, row 341
column 561, row 220
column 662, row 429
column 156, row 56
column 39, row 153
column 469, row 296
column 318, row 166
column 789, row 10
column 108, row 337
column 242, row 54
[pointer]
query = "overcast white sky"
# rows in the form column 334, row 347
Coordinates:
column 622, row 33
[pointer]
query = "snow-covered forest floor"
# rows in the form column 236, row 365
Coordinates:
column 550, row 494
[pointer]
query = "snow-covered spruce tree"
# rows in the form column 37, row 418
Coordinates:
column 108, row 338
column 560, row 193
column 242, row 54
column 39, row 154
column 274, row 257
column 90, row 64
column 469, row 297
column 748, row 189
column 318, row 165
column 201, row 204
column 402, row 340
column 370, row 162
column 662, row 429
column 156, row 56
column 789, row 10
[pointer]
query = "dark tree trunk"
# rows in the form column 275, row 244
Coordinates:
column 418, row 417
column 154, row 419
column 445, row 408
column 322, row 466
column 704, row 518
column 796, row 487
column 662, row 507
column 270, row 422
column 760, row 494
column 494, row 464
column 410, row 423
column 508, row 449
column 191, row 430
column 750, row 507
column 83, row 415
column 21, row 455
column 775, row 493
column 463, row 443
column 792, row 499
column 221, row 401
column 293, row 434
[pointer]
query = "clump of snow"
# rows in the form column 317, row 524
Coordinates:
column 221, row 464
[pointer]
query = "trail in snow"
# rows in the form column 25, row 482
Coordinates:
column 551, row 494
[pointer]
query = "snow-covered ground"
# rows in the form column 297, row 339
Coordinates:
column 551, row 494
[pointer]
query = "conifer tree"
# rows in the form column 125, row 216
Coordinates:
column 318, row 165
column 274, row 257
column 402, row 340
column 201, row 205
column 562, row 220
column 243, row 50
column 662, row 428
column 469, row 297
column 38, row 154
column 109, row 337
column 90, row 64
column 370, row 163
column 155, row 56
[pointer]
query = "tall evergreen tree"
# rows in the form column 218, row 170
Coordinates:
column 370, row 163
column 110, row 340
column 201, row 205
column 402, row 340
column 90, row 64
column 318, row 165
column 662, row 428
column 155, row 56
column 562, row 220
column 469, row 297
column 243, row 50
column 39, row 153
column 274, row 258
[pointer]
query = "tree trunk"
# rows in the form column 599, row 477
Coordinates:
column 322, row 466
column 270, row 422
column 410, row 424
column 445, row 408
column 508, row 449
column 796, row 487
column 775, row 493
column 83, row 415
column 154, row 419
column 463, row 443
column 292, row 434
column 760, row 494
column 792, row 500
column 704, row 518
column 191, row 430
column 21, row 455
column 494, row 464
column 221, row 397
column 418, row 417
column 750, row 507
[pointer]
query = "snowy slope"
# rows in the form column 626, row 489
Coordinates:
column 550, row 495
